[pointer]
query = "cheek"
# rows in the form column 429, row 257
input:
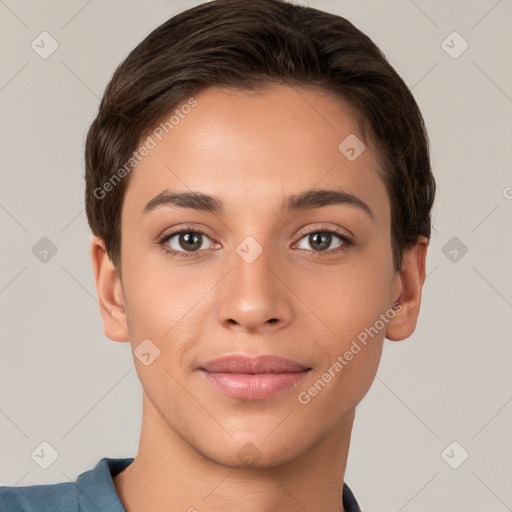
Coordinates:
column 158, row 292
column 159, row 303
column 349, row 301
column 350, row 344
column 346, row 298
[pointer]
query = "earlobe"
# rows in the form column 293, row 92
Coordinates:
column 110, row 293
column 412, row 278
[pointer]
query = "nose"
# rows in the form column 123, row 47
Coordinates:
column 254, row 296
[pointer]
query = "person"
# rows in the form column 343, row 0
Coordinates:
column 259, row 189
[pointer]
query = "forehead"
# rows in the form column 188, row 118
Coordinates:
column 250, row 149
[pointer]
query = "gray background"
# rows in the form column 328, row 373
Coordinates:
column 62, row 381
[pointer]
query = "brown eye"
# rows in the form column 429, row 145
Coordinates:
column 320, row 241
column 184, row 242
column 190, row 241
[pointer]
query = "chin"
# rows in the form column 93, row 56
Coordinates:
column 250, row 456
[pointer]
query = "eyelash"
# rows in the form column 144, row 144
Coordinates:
column 347, row 242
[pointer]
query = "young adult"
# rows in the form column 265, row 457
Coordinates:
column 259, row 188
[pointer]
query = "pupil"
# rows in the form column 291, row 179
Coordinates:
column 192, row 240
column 325, row 239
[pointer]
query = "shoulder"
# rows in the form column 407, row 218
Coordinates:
column 349, row 500
column 92, row 490
column 38, row 498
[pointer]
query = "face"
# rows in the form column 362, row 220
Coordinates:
column 266, row 265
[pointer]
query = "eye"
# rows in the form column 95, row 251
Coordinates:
column 321, row 241
column 186, row 242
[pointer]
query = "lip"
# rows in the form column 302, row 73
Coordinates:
column 253, row 378
column 239, row 363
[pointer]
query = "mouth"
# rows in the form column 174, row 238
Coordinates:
column 253, row 378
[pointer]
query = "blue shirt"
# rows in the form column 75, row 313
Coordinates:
column 93, row 491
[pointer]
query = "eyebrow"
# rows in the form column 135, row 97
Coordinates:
column 309, row 199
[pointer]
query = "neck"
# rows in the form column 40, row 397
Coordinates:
column 170, row 474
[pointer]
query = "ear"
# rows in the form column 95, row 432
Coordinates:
column 110, row 293
column 410, row 281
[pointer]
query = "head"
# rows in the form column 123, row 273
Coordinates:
column 294, row 161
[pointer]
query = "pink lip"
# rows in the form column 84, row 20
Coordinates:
column 257, row 378
column 245, row 364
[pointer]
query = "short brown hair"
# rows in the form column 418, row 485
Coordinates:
column 249, row 44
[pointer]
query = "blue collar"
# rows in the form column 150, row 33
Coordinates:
column 96, row 488
column 93, row 490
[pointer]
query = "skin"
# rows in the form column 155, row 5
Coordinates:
column 251, row 151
